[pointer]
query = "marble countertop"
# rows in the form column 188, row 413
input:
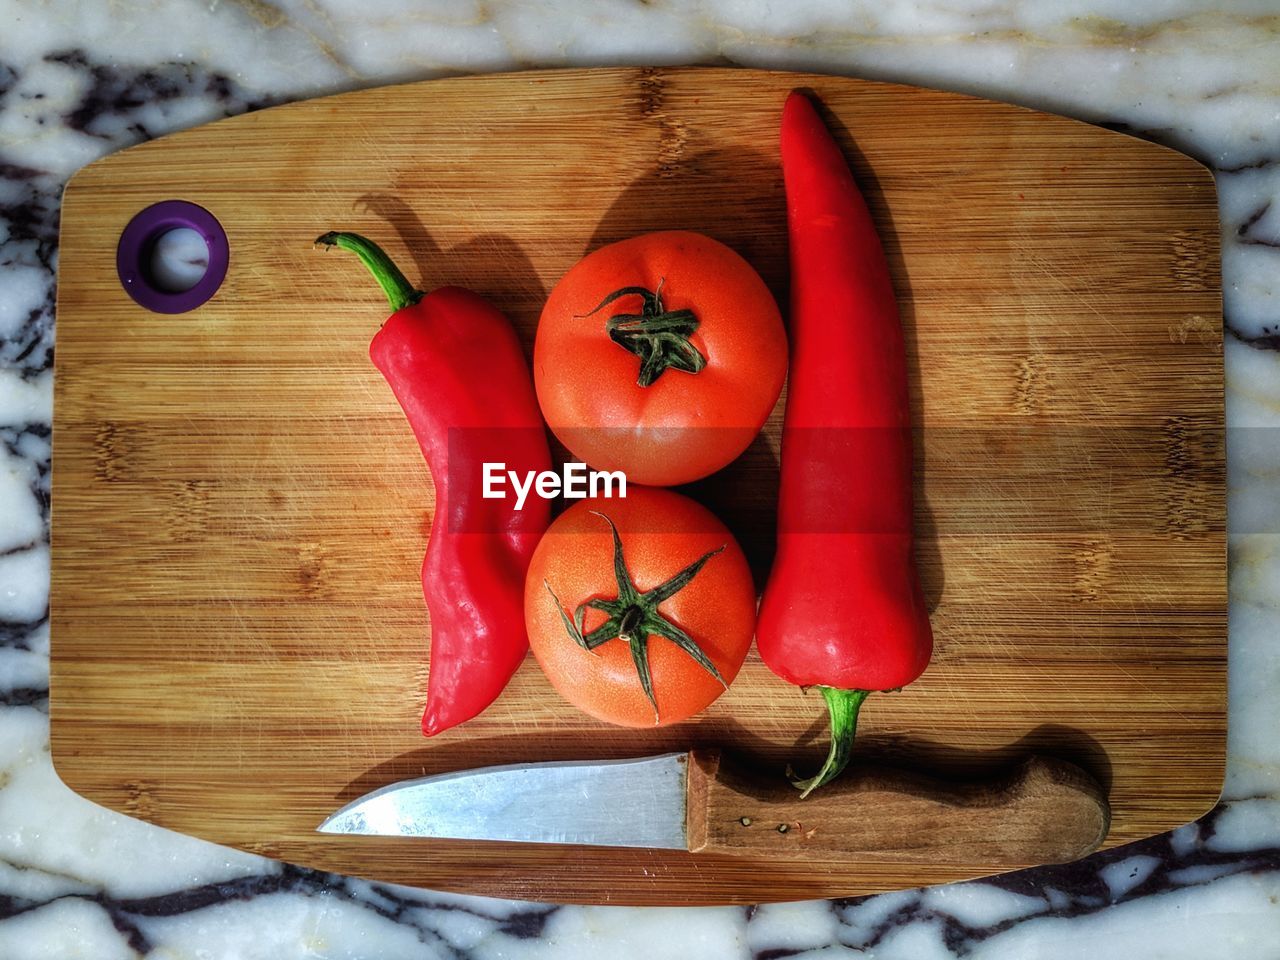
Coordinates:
column 78, row 80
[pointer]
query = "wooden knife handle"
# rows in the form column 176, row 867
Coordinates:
column 1045, row 811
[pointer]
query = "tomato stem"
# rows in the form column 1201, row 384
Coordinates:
column 658, row 336
column 633, row 617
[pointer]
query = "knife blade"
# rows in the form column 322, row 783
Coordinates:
column 620, row 803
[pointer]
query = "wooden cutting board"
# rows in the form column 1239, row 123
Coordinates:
column 239, row 510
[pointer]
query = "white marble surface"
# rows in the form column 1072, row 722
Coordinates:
column 78, row 80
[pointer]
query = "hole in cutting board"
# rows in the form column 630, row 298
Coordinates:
column 177, row 261
column 172, row 257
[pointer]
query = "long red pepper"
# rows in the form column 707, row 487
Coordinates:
column 843, row 609
column 456, row 366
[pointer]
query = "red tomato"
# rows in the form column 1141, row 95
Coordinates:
column 673, row 377
column 572, row 577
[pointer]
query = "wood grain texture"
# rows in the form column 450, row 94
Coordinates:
column 239, row 510
column 1045, row 810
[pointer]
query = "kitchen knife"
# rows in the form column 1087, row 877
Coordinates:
column 1045, row 810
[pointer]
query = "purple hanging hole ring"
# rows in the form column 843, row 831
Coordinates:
column 137, row 246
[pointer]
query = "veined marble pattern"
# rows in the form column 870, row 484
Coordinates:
column 78, row 80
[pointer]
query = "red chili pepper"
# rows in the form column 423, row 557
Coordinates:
column 843, row 609
column 456, row 366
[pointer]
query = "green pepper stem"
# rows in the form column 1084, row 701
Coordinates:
column 842, row 708
column 400, row 292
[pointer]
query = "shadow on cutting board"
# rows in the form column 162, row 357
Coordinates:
column 938, row 760
column 492, row 264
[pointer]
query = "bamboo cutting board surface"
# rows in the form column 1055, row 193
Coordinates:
column 240, row 511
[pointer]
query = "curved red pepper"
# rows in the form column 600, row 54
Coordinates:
column 456, row 365
column 843, row 609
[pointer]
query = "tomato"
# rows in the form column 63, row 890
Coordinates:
column 660, row 356
column 572, row 595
